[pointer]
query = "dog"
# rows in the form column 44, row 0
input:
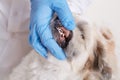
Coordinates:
column 90, row 53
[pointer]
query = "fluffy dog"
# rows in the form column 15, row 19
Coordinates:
column 90, row 56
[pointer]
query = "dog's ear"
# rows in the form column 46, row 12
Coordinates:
column 103, row 57
column 96, row 65
column 99, row 63
column 104, row 54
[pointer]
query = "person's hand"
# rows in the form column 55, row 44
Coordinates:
column 41, row 38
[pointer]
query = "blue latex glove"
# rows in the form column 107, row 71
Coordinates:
column 41, row 37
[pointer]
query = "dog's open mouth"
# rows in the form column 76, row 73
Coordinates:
column 61, row 35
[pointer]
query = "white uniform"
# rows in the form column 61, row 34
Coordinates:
column 14, row 23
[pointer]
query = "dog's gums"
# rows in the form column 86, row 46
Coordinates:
column 60, row 34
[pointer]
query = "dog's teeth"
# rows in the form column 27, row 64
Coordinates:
column 60, row 31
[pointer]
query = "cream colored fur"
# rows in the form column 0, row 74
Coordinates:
column 79, row 52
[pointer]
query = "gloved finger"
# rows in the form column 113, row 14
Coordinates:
column 35, row 42
column 55, row 49
column 49, row 42
column 64, row 13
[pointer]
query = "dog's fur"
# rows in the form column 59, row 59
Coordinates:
column 90, row 56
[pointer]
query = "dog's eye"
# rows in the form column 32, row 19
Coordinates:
column 83, row 37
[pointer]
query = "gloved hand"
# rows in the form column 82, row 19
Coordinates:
column 41, row 38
